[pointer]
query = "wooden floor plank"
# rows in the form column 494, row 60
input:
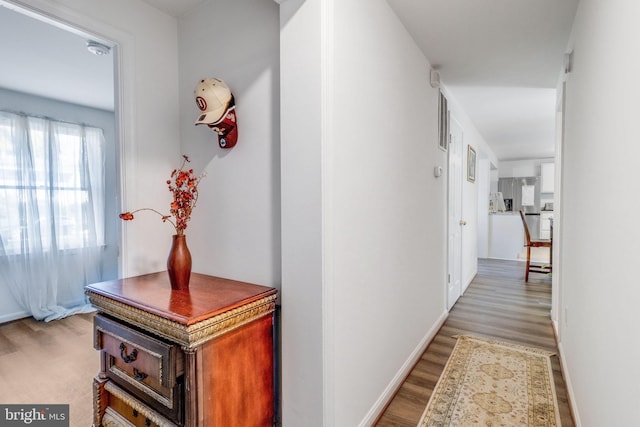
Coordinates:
column 498, row 304
column 54, row 362
column 49, row 363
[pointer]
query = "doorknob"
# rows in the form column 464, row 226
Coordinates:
column 463, row 222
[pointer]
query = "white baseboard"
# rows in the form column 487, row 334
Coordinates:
column 13, row 316
column 506, row 259
column 391, row 389
column 567, row 382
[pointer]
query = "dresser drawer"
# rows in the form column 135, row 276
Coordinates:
column 143, row 364
column 124, row 410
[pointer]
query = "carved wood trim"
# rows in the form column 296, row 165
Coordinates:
column 137, row 405
column 99, row 401
column 187, row 336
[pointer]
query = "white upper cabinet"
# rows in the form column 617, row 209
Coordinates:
column 547, row 170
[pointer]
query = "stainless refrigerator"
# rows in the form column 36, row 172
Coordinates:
column 523, row 193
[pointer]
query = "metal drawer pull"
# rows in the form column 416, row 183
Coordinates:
column 139, row 375
column 147, row 422
column 135, row 413
column 127, row 358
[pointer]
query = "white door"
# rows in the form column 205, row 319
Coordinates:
column 455, row 222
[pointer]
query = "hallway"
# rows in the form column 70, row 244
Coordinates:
column 497, row 304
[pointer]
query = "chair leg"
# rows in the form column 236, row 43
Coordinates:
column 526, row 271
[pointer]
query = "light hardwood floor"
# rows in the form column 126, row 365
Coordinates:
column 50, row 363
column 55, row 362
column 497, row 304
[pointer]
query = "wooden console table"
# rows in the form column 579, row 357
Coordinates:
column 202, row 357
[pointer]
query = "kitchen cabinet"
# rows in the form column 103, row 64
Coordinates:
column 547, row 172
column 202, row 357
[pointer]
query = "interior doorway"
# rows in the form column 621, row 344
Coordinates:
column 51, row 76
column 455, row 221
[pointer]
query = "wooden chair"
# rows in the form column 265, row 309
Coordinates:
column 535, row 268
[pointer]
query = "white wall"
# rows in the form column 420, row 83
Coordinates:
column 385, row 213
column 599, row 244
column 484, row 190
column 357, row 123
column 235, row 229
column 303, row 354
column 494, row 180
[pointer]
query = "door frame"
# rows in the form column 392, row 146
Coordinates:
column 455, row 177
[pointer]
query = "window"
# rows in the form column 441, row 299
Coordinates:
column 51, row 185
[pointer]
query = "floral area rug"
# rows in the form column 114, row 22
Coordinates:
column 491, row 383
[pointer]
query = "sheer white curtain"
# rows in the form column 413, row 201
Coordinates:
column 51, row 213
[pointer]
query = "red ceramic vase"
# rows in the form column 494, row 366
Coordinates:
column 179, row 263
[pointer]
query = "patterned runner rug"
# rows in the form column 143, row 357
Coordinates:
column 493, row 383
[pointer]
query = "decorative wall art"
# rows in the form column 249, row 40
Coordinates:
column 471, row 164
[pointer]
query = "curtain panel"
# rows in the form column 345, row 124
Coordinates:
column 52, row 213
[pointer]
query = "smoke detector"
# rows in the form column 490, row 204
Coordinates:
column 98, row 48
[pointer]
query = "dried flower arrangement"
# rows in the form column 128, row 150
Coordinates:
column 184, row 186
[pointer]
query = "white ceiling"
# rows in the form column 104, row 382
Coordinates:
column 175, row 8
column 45, row 60
column 500, row 59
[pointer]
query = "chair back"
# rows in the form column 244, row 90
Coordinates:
column 526, row 229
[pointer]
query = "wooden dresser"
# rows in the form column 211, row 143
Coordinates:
column 202, row 357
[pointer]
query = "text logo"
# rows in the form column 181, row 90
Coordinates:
column 34, row 415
